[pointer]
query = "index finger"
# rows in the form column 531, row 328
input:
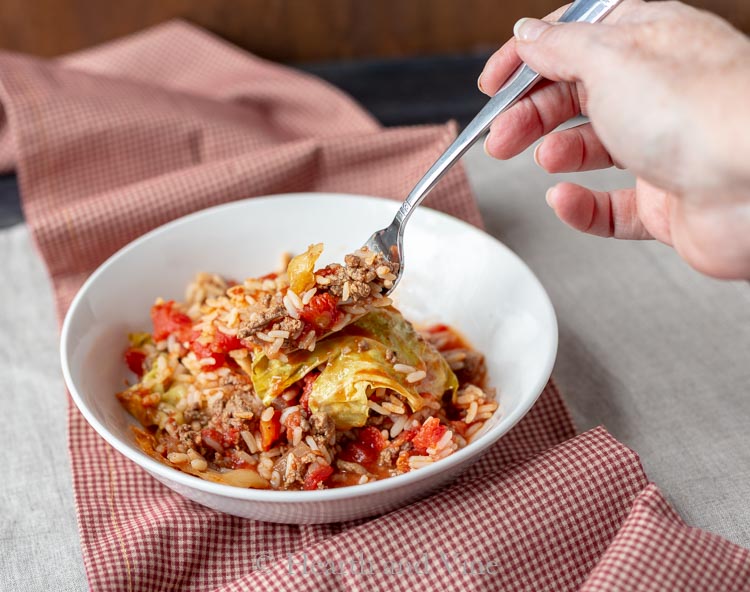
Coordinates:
column 505, row 60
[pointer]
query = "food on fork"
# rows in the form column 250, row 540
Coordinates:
column 303, row 379
column 307, row 305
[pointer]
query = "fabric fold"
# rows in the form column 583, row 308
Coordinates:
column 655, row 550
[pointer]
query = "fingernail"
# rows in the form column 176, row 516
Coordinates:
column 536, row 154
column 528, row 29
column 479, row 82
column 484, row 145
column 548, row 196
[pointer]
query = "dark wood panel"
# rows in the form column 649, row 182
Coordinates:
column 292, row 30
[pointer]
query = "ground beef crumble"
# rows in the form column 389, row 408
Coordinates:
column 474, row 369
column 323, row 429
column 363, row 276
column 274, row 310
column 390, row 454
column 294, row 464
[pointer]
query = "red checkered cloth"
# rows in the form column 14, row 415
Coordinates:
column 112, row 142
column 656, row 551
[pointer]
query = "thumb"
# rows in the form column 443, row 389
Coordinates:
column 566, row 52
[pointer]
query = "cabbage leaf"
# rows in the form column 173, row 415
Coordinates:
column 300, row 269
column 356, row 363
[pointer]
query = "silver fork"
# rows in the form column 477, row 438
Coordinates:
column 390, row 240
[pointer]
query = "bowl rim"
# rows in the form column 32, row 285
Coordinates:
column 165, row 472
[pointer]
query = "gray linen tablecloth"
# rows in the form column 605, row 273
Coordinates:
column 649, row 348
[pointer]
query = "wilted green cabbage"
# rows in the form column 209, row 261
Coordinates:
column 356, row 365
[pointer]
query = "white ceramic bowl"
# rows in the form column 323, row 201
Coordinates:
column 454, row 274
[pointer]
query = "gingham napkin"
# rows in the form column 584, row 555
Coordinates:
column 110, row 143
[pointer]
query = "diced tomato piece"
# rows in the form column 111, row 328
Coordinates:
column 213, row 439
column 316, row 475
column 230, row 438
column 202, row 350
column 321, row 312
column 372, row 437
column 217, row 349
column 219, row 344
column 270, row 431
column 168, row 321
column 459, row 427
column 219, row 361
column 402, row 462
column 224, row 343
column 292, row 421
column 429, row 434
column 355, row 452
column 307, row 385
column 241, row 463
column 405, row 436
column 219, row 440
column 134, row 359
column 366, row 448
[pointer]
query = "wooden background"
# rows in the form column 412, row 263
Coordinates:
column 293, row 30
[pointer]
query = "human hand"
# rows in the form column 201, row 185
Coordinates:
column 666, row 88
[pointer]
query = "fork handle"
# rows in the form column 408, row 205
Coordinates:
column 523, row 79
